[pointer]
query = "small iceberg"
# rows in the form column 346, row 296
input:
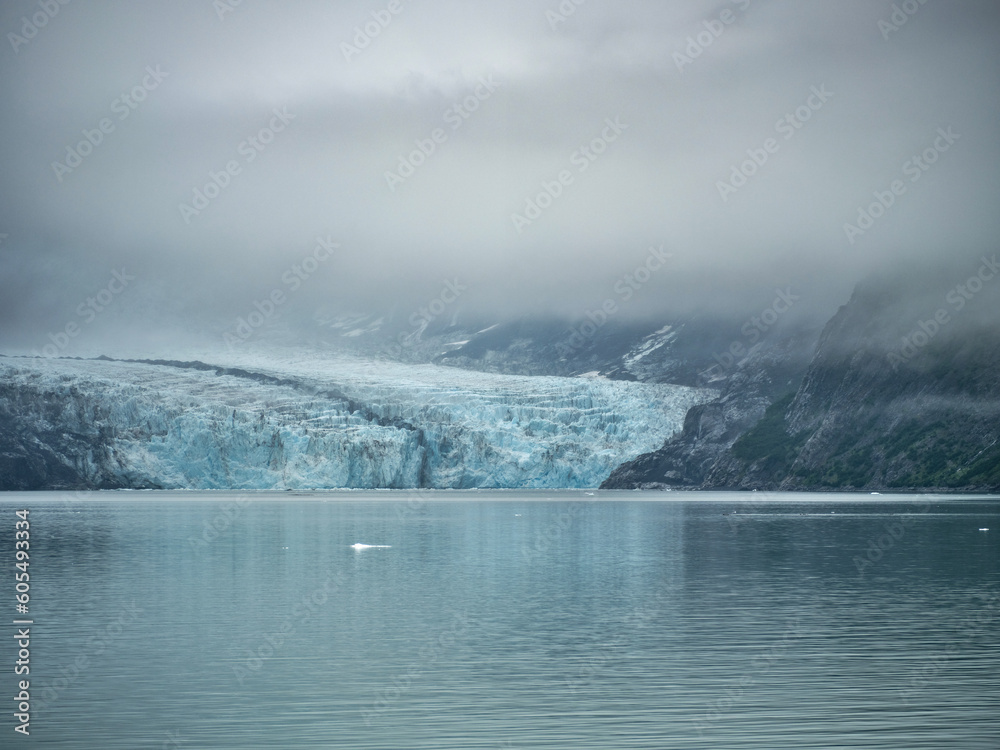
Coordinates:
column 360, row 546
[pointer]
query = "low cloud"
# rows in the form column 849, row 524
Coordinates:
column 204, row 152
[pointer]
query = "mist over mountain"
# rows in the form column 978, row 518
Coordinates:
column 902, row 394
column 745, row 197
column 753, row 174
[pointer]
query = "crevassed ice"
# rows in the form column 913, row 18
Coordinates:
column 350, row 423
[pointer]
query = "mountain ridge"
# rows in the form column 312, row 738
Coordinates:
column 863, row 418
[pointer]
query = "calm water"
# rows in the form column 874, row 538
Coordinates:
column 543, row 620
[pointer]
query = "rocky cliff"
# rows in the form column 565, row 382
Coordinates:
column 902, row 394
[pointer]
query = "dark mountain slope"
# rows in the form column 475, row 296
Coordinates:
column 903, row 393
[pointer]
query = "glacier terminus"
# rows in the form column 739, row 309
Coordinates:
column 324, row 422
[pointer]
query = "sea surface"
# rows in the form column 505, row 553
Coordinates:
column 506, row 620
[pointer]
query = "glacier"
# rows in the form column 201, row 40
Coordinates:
column 302, row 421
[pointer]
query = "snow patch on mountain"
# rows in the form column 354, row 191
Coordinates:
column 648, row 345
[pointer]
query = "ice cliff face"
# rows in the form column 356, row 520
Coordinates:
column 308, row 422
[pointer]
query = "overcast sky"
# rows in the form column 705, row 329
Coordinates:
column 692, row 91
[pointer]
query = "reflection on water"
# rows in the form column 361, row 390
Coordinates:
column 535, row 620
